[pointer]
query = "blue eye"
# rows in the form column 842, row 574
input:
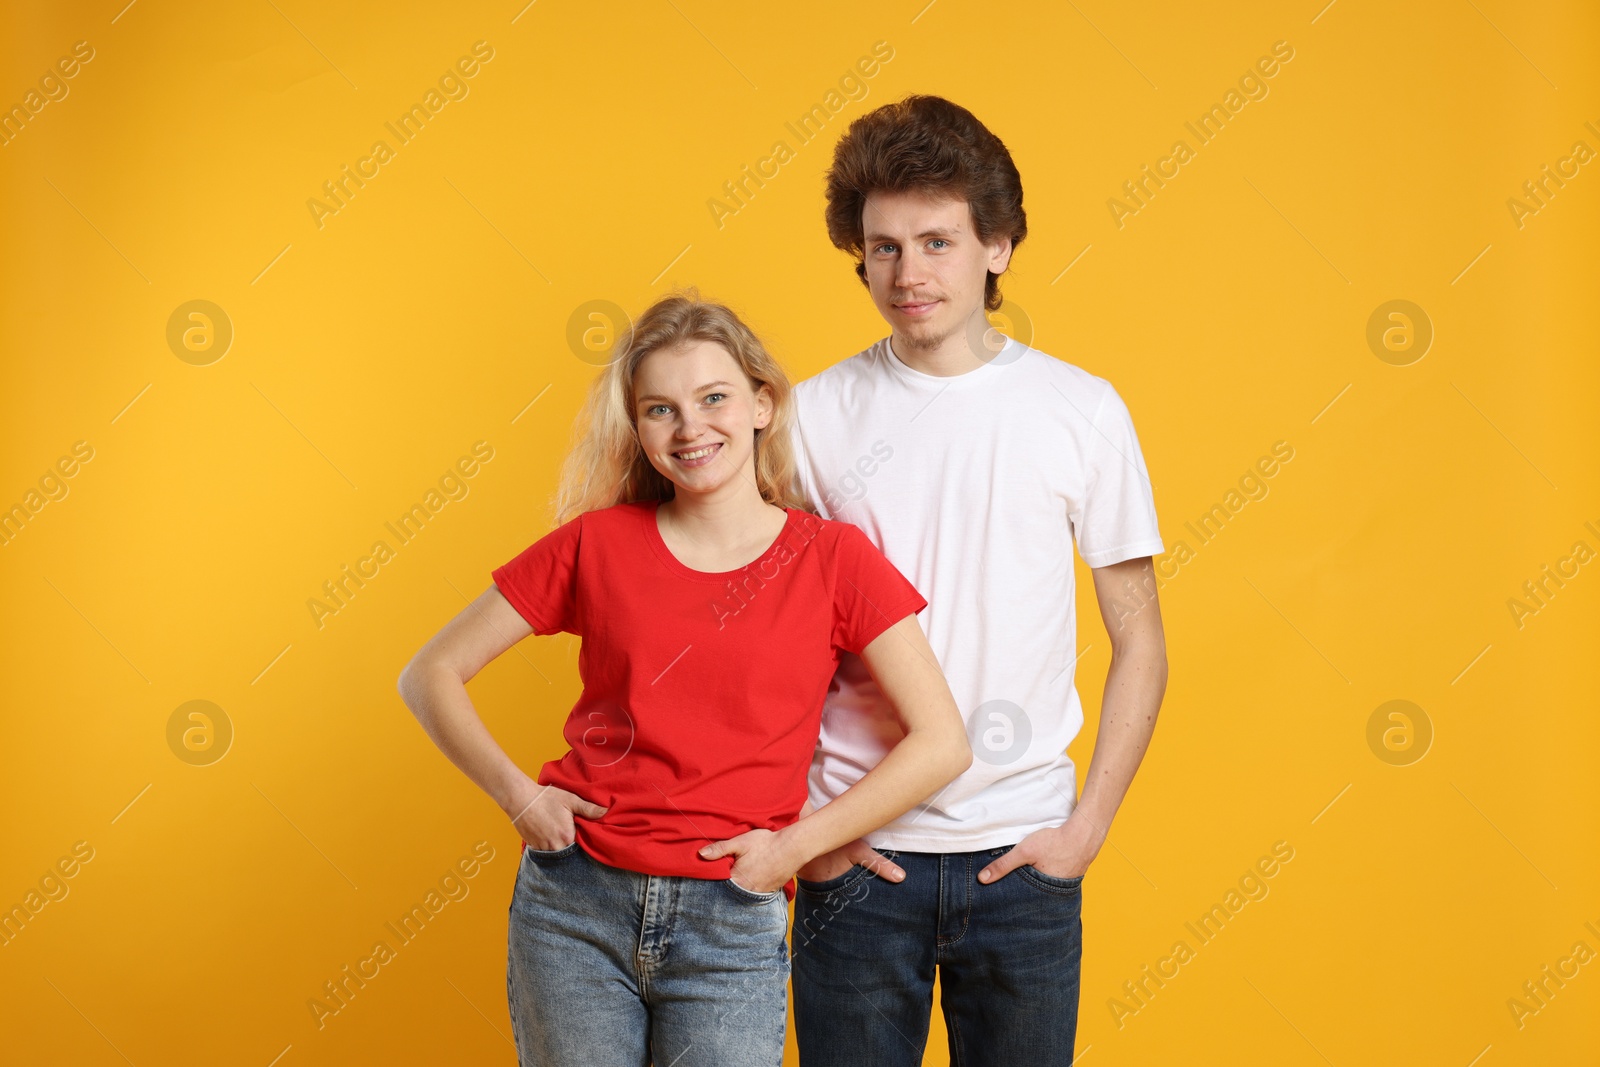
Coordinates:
column 938, row 241
column 709, row 396
column 888, row 249
column 655, row 409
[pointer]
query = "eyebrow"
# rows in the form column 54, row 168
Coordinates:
column 942, row 231
column 703, row 388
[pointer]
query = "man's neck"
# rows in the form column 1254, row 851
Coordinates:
column 953, row 356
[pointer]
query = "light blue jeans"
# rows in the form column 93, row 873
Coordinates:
column 611, row 968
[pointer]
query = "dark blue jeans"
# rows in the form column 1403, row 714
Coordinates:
column 1008, row 955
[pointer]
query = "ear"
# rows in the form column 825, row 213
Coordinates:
column 765, row 406
column 1000, row 255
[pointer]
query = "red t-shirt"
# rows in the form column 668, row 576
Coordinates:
column 702, row 692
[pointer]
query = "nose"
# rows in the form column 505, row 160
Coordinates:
column 689, row 427
column 910, row 270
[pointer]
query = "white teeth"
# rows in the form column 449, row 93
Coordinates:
column 698, row 453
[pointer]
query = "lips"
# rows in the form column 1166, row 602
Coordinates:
column 916, row 308
column 698, row 456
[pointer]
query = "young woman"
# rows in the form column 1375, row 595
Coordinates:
column 650, row 907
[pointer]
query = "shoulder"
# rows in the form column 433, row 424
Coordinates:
column 630, row 511
column 834, row 538
column 844, row 375
column 607, row 522
column 1038, row 367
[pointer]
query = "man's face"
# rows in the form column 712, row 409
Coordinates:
column 926, row 268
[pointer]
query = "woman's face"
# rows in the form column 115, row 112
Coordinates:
column 697, row 415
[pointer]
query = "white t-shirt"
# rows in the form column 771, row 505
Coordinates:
column 974, row 486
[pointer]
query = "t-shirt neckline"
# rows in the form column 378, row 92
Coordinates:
column 652, row 534
column 910, row 373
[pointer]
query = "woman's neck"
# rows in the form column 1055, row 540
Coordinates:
column 707, row 530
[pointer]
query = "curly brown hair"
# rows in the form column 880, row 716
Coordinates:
column 925, row 143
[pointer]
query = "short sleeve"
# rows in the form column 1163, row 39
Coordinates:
column 541, row 582
column 1116, row 519
column 870, row 594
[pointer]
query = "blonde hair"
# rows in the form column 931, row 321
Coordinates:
column 606, row 465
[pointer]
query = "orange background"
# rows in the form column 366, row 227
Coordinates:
column 431, row 311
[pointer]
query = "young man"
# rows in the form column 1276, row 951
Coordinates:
column 973, row 465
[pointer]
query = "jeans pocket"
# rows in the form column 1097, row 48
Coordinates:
column 1051, row 882
column 850, row 877
column 551, row 853
column 829, row 885
column 750, row 895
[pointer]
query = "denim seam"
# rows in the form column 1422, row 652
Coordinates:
column 1037, row 878
column 966, row 910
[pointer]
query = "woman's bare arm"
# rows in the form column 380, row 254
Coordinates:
column 434, row 686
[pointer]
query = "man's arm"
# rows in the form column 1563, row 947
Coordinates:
column 1135, row 684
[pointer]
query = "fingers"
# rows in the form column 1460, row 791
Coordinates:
column 577, row 805
column 858, row 851
column 1002, row 866
column 718, row 849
